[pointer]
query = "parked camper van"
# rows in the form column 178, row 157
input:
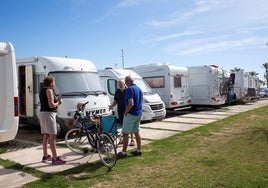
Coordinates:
column 253, row 87
column 9, row 118
column 152, row 108
column 205, row 84
column 246, row 87
column 170, row 82
column 241, row 84
column 76, row 80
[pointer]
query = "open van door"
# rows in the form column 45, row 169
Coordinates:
column 26, row 93
column 29, row 94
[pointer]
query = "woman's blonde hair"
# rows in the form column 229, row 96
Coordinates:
column 79, row 105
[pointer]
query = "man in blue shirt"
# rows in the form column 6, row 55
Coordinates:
column 132, row 116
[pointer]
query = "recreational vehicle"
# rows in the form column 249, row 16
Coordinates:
column 245, row 86
column 152, row 107
column 253, row 87
column 76, row 81
column 205, row 84
column 241, row 84
column 170, row 82
column 9, row 116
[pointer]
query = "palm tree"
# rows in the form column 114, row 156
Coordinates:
column 262, row 83
column 265, row 65
column 253, row 73
column 236, row 69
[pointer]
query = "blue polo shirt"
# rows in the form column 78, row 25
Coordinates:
column 135, row 93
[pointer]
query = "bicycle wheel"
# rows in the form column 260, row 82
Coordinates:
column 107, row 150
column 76, row 140
column 117, row 139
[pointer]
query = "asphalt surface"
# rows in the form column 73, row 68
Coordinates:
column 26, row 149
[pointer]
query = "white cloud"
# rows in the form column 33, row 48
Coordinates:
column 198, row 47
column 167, row 23
column 175, row 18
column 232, row 24
column 127, row 3
column 170, row 36
column 230, row 11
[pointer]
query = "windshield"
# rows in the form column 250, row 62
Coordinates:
column 143, row 86
column 77, row 83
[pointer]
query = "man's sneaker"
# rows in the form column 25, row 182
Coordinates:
column 120, row 155
column 46, row 158
column 136, row 153
column 58, row 161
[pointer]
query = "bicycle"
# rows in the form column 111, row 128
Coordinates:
column 82, row 141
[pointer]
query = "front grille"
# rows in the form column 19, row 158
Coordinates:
column 157, row 106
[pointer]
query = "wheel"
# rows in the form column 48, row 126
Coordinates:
column 76, row 140
column 117, row 138
column 107, row 150
column 60, row 131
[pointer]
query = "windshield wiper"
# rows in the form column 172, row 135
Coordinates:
column 84, row 93
column 101, row 92
column 76, row 93
column 147, row 93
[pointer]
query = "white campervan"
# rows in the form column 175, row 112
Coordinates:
column 253, row 86
column 205, row 84
column 170, row 82
column 241, row 84
column 246, row 87
column 152, row 108
column 9, row 116
column 76, row 80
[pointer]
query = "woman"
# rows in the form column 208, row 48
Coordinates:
column 47, row 118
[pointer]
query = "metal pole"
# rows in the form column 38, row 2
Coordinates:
column 123, row 64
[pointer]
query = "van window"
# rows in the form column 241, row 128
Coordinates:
column 76, row 82
column 155, row 82
column 112, row 86
column 145, row 88
column 177, row 81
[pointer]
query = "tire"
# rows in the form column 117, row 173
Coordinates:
column 60, row 131
column 107, row 150
column 117, row 138
column 77, row 141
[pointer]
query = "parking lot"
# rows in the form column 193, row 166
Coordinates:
column 29, row 136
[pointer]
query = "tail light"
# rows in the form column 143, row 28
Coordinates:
column 174, row 103
column 16, row 106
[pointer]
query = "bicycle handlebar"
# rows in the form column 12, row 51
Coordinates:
column 85, row 103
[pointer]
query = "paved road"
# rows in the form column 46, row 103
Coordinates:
column 31, row 155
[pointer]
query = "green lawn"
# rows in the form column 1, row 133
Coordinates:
column 229, row 153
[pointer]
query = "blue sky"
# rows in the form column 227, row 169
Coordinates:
column 228, row 33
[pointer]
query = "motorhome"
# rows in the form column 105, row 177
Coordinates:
column 152, row 107
column 246, row 87
column 241, row 84
column 205, row 84
column 76, row 81
column 170, row 82
column 253, row 87
column 9, row 116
